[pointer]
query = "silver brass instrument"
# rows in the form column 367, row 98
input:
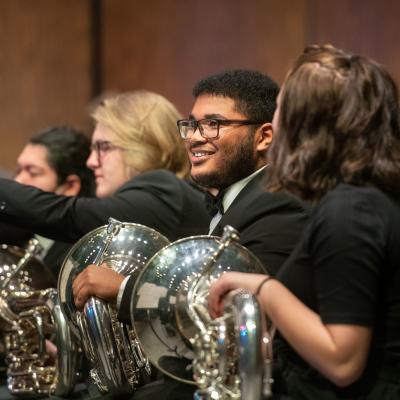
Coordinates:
column 169, row 307
column 113, row 351
column 234, row 358
column 32, row 369
column 31, row 317
column 20, row 272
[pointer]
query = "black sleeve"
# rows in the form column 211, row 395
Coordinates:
column 56, row 255
column 12, row 235
column 346, row 245
column 124, row 314
column 272, row 233
column 142, row 200
column 269, row 224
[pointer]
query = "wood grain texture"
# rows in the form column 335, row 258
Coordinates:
column 48, row 73
column 168, row 46
column 44, row 68
column 367, row 27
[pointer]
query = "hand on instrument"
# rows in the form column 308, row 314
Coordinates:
column 227, row 282
column 100, row 281
column 51, row 350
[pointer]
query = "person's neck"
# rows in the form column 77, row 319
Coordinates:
column 262, row 163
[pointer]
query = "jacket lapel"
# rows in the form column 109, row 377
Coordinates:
column 231, row 215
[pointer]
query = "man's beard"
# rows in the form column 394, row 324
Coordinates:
column 238, row 163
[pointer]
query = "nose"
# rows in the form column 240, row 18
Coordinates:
column 93, row 161
column 21, row 177
column 195, row 137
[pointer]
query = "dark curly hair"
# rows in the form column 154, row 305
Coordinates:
column 254, row 94
column 338, row 122
column 67, row 152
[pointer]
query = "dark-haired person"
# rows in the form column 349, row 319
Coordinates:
column 336, row 301
column 227, row 136
column 53, row 160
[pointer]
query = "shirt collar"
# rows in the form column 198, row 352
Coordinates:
column 232, row 191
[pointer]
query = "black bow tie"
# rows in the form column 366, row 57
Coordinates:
column 214, row 203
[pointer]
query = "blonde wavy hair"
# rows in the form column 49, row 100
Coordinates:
column 144, row 124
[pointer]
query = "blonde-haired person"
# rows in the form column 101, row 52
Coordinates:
column 335, row 301
column 138, row 161
column 143, row 124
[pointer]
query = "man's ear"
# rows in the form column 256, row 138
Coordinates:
column 71, row 186
column 263, row 137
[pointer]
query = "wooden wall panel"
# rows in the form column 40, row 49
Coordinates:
column 44, row 68
column 367, row 27
column 166, row 46
column 48, row 73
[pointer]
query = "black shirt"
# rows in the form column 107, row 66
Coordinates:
column 346, row 267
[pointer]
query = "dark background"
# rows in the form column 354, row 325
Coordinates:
column 56, row 55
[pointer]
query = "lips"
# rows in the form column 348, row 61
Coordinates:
column 200, row 153
column 199, row 156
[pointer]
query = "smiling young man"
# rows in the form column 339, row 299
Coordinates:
column 227, row 136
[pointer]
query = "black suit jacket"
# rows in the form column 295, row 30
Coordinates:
column 56, row 255
column 270, row 224
column 157, row 199
column 12, row 235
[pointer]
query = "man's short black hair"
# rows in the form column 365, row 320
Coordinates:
column 67, row 152
column 253, row 92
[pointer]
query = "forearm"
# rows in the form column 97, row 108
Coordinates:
column 337, row 351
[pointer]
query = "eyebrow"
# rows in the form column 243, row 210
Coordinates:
column 208, row 116
column 30, row 167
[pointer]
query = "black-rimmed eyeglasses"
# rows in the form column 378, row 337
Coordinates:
column 102, row 147
column 209, row 127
